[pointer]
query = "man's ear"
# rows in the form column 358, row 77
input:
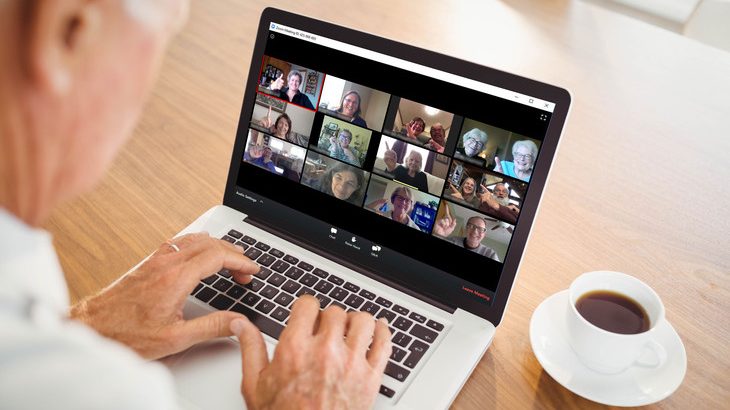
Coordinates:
column 60, row 35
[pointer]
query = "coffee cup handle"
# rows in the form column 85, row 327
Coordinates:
column 659, row 353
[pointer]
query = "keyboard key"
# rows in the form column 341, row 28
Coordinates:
column 210, row 279
column 263, row 273
column 418, row 318
column 306, row 290
column 291, row 259
column 352, row 287
column 265, row 306
column 277, row 253
column 336, row 280
column 284, row 299
column 280, row 266
column 265, row 324
column 384, row 302
column 387, row 314
column 243, row 245
column 309, row 279
column 398, row 354
column 269, row 292
column 222, row 285
column 236, row 292
column 280, row 314
column 294, row 273
column 367, row 295
column 249, row 240
column 403, row 323
column 386, row 391
column 225, row 273
column 304, row 265
column 319, row 272
column 265, row 260
column 291, row 287
column 400, row 309
column 252, row 253
column 370, row 307
column 206, row 294
column 264, row 247
column 354, row 301
column 396, row 372
column 435, row 325
column 229, row 239
column 418, row 349
column 197, row 288
column 339, row 294
column 221, row 302
column 254, row 285
column 276, row 279
column 323, row 300
column 423, row 333
column 234, row 233
column 324, row 286
column 402, row 339
column 250, row 299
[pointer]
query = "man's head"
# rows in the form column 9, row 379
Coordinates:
column 476, row 229
column 501, row 193
column 438, row 133
column 81, row 74
column 474, row 142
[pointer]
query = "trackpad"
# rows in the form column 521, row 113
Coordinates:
column 208, row 376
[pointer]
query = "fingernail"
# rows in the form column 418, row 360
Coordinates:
column 239, row 248
column 237, row 326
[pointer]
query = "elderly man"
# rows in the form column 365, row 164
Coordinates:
column 496, row 203
column 438, row 137
column 75, row 76
column 476, row 230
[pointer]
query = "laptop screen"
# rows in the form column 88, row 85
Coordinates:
column 411, row 173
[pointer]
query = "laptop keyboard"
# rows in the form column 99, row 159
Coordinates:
column 267, row 300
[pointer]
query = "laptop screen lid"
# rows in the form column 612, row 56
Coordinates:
column 419, row 169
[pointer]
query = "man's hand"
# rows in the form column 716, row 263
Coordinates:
column 322, row 360
column 488, row 199
column 445, row 226
column 143, row 309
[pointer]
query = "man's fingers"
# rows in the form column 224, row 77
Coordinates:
column 303, row 315
column 360, row 328
column 332, row 322
column 381, row 347
column 208, row 257
column 253, row 356
column 200, row 329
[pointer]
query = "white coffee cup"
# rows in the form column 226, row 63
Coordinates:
column 608, row 352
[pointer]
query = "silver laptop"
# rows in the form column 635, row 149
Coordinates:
column 359, row 175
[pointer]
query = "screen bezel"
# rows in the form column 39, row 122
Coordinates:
column 561, row 97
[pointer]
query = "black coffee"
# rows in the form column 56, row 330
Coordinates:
column 613, row 312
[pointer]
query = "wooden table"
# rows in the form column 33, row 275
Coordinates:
column 639, row 184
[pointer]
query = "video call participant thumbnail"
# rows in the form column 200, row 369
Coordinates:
column 354, row 103
column 401, row 204
column 415, row 166
column 343, row 141
column 472, row 147
column 283, row 120
column 497, row 203
column 335, row 178
column 274, row 155
column 524, row 153
column 290, row 82
column 475, row 229
column 419, row 124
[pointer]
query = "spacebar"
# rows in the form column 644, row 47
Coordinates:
column 265, row 324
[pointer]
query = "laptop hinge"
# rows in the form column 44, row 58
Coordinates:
column 359, row 269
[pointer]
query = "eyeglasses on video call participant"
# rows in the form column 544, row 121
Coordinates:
column 402, row 201
column 81, row 73
column 476, row 230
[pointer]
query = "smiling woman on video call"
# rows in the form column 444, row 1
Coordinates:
column 74, row 81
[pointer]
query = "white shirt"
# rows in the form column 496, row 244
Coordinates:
column 49, row 361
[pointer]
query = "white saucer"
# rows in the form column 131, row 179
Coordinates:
column 635, row 386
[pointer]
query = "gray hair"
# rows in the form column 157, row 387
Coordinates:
column 527, row 144
column 476, row 134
